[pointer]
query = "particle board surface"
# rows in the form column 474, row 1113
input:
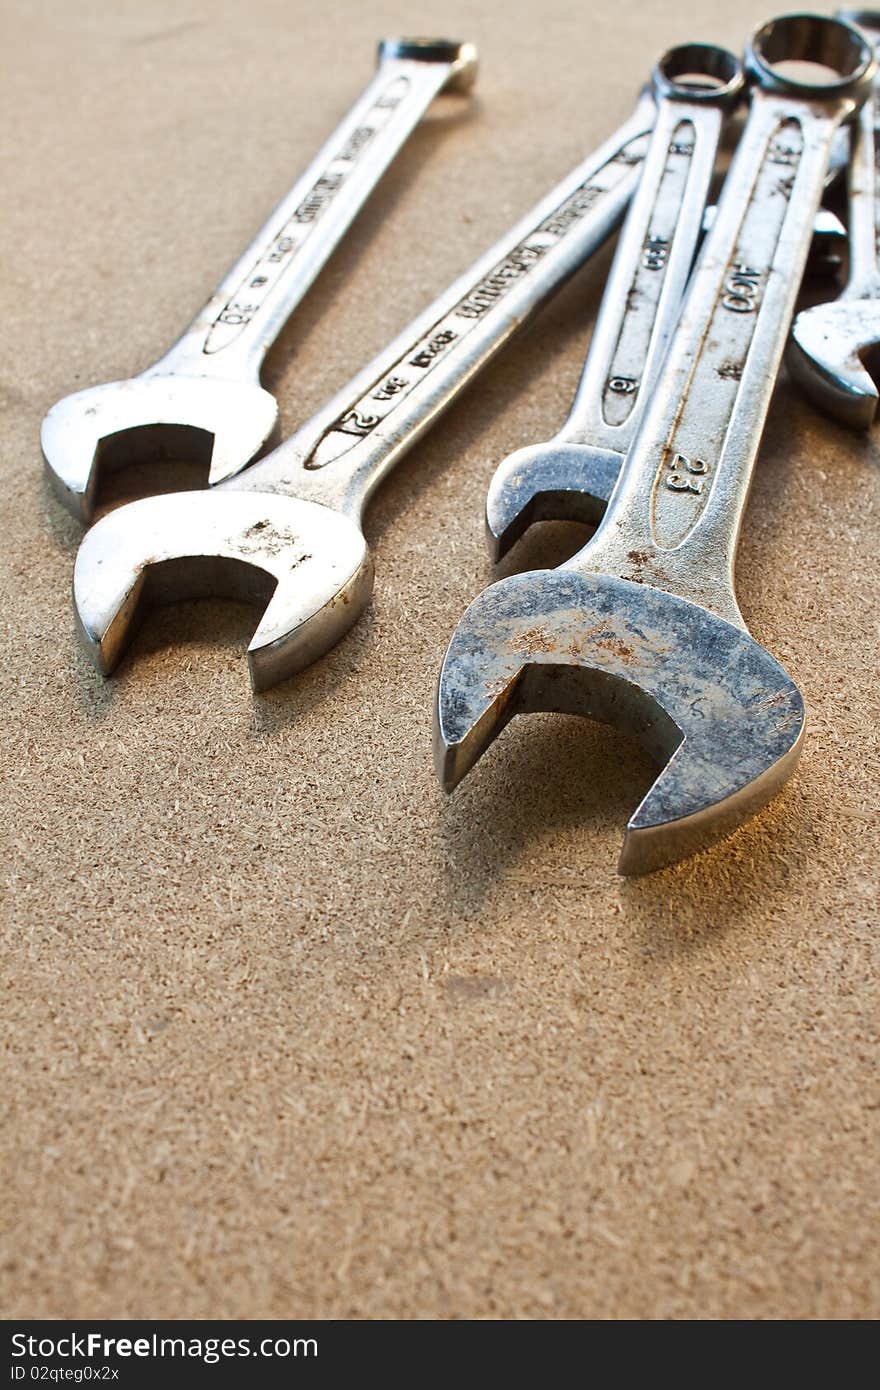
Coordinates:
column 287, row 1031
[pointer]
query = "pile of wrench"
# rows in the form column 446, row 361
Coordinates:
column 641, row 628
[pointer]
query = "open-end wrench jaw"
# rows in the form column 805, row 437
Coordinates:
column 202, row 401
column 697, row 692
column 641, row 629
column 559, row 481
column 572, row 476
column 832, row 355
column 200, row 419
column 308, row 562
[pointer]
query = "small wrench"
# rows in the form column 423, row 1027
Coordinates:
column 203, row 399
column 830, row 346
column 572, row 476
column 290, row 527
column 641, row 628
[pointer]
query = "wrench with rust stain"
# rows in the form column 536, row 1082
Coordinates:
column 641, row 629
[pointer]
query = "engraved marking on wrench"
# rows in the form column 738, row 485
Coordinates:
column 621, row 390
column 250, row 294
column 386, row 394
column 685, row 474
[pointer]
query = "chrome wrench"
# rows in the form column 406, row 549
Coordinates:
column 203, row 399
column 831, row 344
column 641, row 629
column 571, row 477
column 289, row 527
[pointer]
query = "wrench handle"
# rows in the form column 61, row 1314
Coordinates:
column 674, row 519
column 863, row 177
column 231, row 335
column 341, row 454
column 647, row 280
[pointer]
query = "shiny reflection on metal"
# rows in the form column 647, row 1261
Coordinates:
column 203, row 400
column 833, row 348
column 641, row 628
column 571, row 476
column 295, row 516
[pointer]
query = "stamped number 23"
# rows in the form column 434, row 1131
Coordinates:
column 686, row 474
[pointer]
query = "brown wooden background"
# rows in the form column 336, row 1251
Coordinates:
column 289, row 1032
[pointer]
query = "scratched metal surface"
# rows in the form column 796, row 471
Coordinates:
column 660, row 668
column 287, row 1031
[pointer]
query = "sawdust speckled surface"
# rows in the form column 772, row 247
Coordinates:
column 286, row 1031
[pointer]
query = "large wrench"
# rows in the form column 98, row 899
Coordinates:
column 830, row 347
column 571, row 477
column 203, row 399
column 641, row 628
column 292, row 522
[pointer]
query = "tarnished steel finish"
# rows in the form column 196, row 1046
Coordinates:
column 330, row 467
column 309, row 563
column 643, row 623
column 203, row 399
column 566, row 480
column 570, row 477
column 559, row 481
column 694, row 690
column 830, row 346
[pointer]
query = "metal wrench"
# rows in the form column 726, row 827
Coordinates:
column 530, row 485
column 641, row 628
column 571, row 477
column 829, row 342
column 203, row 399
column 289, row 528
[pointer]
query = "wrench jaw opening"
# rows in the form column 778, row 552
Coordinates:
column 307, row 562
column 548, row 482
column 834, row 355
column 697, row 692
column 222, row 424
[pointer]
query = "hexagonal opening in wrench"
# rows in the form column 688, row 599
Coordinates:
column 700, row 68
column 810, row 51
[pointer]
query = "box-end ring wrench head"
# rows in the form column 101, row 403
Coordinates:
column 571, row 477
column 203, row 400
column 641, row 629
column 833, row 347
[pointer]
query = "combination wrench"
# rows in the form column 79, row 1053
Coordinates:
column 641, row 629
column 288, row 531
column 571, row 477
column 203, row 400
column 830, row 346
